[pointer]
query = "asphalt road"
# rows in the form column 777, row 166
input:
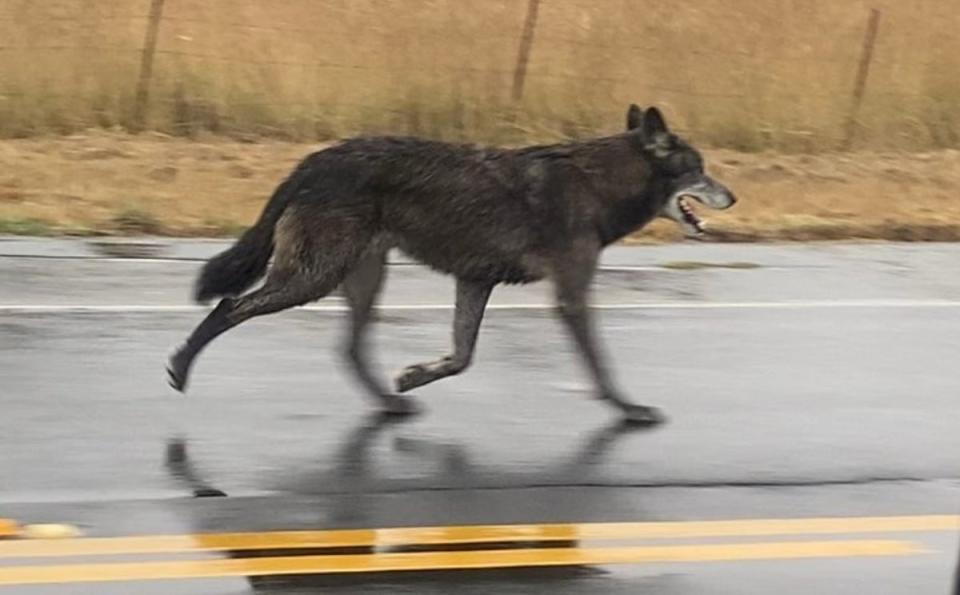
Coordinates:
column 802, row 382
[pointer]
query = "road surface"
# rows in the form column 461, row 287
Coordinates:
column 813, row 442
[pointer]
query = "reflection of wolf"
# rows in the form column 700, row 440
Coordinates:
column 354, row 477
column 956, row 580
column 485, row 216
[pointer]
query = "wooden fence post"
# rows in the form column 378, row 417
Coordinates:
column 523, row 53
column 863, row 72
column 142, row 97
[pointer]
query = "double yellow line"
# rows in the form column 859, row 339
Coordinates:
column 385, row 543
column 8, row 528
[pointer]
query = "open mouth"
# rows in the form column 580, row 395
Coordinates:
column 689, row 217
column 706, row 192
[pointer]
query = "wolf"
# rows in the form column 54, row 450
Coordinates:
column 484, row 215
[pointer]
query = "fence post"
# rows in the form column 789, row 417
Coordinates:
column 523, row 53
column 146, row 66
column 863, row 71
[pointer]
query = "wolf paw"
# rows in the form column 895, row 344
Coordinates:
column 178, row 370
column 641, row 415
column 412, row 377
column 400, row 406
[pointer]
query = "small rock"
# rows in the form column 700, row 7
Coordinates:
column 164, row 174
column 240, row 171
column 129, row 248
column 97, row 154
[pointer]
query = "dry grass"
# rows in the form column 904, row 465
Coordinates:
column 746, row 75
column 113, row 183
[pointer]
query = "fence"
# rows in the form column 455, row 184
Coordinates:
column 781, row 74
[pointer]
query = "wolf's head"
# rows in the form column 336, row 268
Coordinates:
column 677, row 169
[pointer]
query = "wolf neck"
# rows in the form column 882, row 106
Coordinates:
column 628, row 194
column 622, row 217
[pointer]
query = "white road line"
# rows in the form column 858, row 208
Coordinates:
column 771, row 305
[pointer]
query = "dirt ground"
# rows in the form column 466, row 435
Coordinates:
column 106, row 183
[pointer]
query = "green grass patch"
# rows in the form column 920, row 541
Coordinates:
column 26, row 227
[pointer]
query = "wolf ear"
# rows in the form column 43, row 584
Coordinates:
column 653, row 123
column 634, row 116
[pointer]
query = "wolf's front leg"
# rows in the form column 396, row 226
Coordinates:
column 471, row 302
column 572, row 281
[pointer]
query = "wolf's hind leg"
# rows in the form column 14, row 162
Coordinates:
column 361, row 288
column 278, row 293
column 305, row 269
column 471, row 302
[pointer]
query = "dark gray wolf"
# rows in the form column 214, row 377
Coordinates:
column 484, row 215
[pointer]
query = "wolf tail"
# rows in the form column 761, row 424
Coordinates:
column 243, row 264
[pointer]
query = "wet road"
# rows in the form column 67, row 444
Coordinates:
column 800, row 382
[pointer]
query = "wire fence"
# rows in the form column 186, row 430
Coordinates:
column 776, row 74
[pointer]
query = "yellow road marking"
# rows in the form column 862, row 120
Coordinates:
column 8, row 528
column 475, row 534
column 24, row 575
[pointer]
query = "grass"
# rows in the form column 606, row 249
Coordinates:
column 242, row 89
column 25, row 226
column 749, row 75
column 111, row 183
column 133, row 221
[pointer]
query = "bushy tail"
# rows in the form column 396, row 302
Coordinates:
column 243, row 264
